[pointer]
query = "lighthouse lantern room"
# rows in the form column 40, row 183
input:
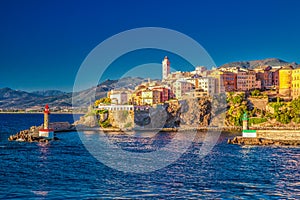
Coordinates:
column 46, row 132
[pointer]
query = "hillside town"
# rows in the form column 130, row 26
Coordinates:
column 278, row 81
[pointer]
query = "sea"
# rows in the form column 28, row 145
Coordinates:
column 68, row 169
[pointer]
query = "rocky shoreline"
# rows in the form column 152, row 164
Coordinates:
column 262, row 141
column 30, row 135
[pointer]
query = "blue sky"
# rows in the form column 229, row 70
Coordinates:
column 43, row 43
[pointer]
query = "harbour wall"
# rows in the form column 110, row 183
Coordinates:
column 279, row 134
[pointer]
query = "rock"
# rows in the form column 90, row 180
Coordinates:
column 30, row 135
column 261, row 141
column 55, row 138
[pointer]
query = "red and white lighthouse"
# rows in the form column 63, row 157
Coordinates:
column 46, row 132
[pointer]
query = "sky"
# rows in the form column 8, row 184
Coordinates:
column 43, row 43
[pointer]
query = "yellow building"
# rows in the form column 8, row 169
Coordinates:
column 285, row 81
column 296, row 83
column 150, row 97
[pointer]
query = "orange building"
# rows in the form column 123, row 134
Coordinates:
column 264, row 74
column 246, row 80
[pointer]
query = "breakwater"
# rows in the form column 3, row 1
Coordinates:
column 32, row 134
column 269, row 137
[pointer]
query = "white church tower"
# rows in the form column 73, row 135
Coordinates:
column 165, row 68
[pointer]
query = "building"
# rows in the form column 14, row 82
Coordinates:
column 265, row 75
column 225, row 80
column 181, row 87
column 196, row 93
column 217, row 75
column 246, row 80
column 179, row 74
column 295, row 83
column 275, row 76
column 165, row 93
column 207, row 84
column 136, row 97
column 285, row 81
column 229, row 81
column 150, row 97
column 119, row 97
column 165, row 68
column 199, row 70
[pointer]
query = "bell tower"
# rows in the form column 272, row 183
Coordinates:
column 165, row 68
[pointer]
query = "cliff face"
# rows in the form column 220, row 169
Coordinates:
column 88, row 121
column 196, row 112
column 151, row 118
column 121, row 118
column 189, row 112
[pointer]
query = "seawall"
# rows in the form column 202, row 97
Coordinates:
column 269, row 137
column 279, row 134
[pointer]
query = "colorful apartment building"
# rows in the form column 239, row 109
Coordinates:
column 296, row 83
column 165, row 92
column 225, row 81
column 246, row 80
column 285, row 81
column 229, row 81
column 265, row 75
column 275, row 76
column 181, row 87
column 150, row 97
column 119, row 96
column 207, row 84
column 219, row 87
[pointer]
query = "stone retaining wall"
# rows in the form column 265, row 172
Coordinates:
column 279, row 134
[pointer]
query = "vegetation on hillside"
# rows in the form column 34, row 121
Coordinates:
column 283, row 112
column 104, row 100
column 237, row 106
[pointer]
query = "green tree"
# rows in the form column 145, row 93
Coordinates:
column 255, row 93
column 105, row 100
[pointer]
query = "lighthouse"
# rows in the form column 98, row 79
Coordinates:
column 46, row 132
column 245, row 121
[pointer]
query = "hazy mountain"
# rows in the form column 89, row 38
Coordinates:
column 47, row 93
column 8, row 93
column 16, row 99
column 255, row 63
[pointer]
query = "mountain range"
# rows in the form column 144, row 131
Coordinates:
column 17, row 99
column 255, row 63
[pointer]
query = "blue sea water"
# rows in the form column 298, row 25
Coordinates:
column 65, row 169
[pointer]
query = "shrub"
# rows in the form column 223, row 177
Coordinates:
column 105, row 124
column 256, row 120
column 128, row 125
column 256, row 93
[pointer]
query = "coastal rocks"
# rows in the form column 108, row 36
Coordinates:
column 196, row 112
column 61, row 126
column 173, row 111
column 30, row 135
column 88, row 121
column 121, row 118
column 261, row 141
